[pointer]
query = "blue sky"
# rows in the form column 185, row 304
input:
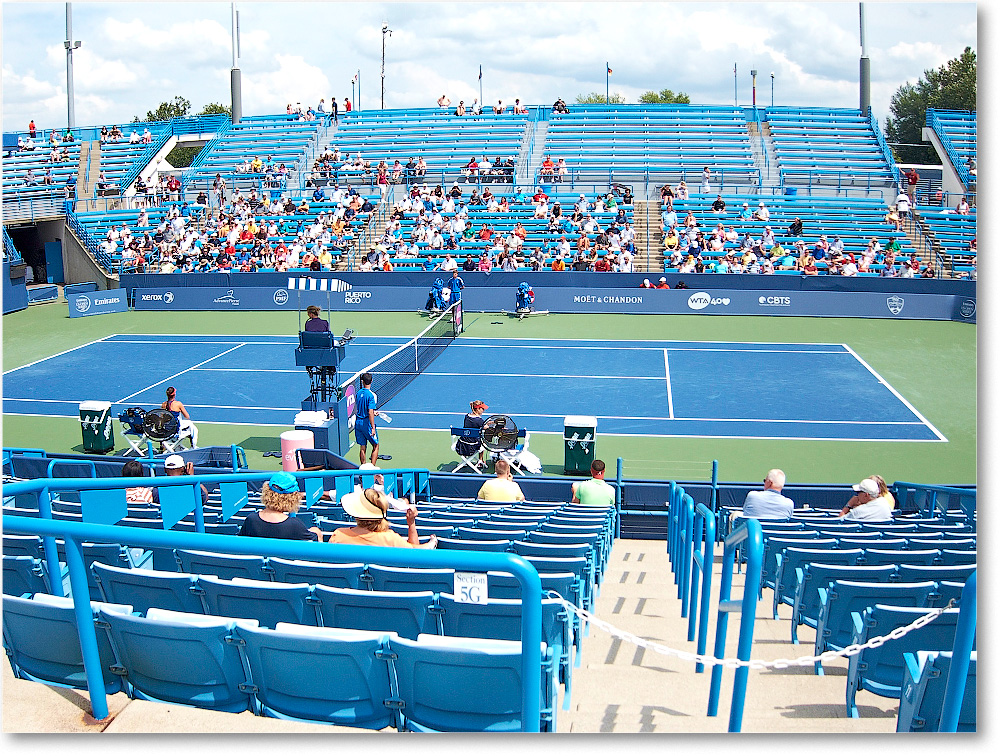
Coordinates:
column 136, row 55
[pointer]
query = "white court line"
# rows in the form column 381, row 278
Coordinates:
column 685, row 419
column 670, row 393
column 247, row 370
column 665, row 341
column 58, row 354
column 171, row 377
column 606, row 348
column 895, row 393
column 535, row 375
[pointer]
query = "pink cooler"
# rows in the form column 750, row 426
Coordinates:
column 290, row 441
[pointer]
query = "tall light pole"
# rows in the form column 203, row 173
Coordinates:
column 70, row 46
column 865, row 77
column 385, row 30
column 772, row 89
column 235, row 82
column 753, row 79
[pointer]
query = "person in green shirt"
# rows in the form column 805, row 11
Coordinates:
column 594, row 492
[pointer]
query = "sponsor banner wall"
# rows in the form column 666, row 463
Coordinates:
column 566, row 279
column 384, row 298
column 97, row 303
column 702, row 301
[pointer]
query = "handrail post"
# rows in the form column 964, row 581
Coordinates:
column 85, row 628
column 49, row 545
column 961, row 653
column 715, row 485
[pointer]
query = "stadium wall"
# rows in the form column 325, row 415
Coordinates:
column 799, row 296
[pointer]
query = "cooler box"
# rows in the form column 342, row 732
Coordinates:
column 290, row 441
column 95, row 422
column 579, row 434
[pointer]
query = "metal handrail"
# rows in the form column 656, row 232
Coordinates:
column 751, row 533
column 932, row 120
column 701, row 578
column 961, row 655
column 883, row 145
column 927, row 503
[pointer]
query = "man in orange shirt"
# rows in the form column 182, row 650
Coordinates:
column 548, row 167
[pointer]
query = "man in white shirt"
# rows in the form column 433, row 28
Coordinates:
column 769, row 503
column 867, row 504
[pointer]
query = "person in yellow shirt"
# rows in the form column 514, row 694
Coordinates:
column 326, row 259
column 256, row 165
column 502, row 487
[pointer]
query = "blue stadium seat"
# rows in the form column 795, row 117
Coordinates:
column 405, row 613
column 179, row 658
column 43, row 644
column 473, row 545
column 465, row 685
column 267, row 602
column 321, row 674
column 411, row 579
column 925, row 675
column 148, row 589
column 912, row 573
column 791, row 558
column 845, row 597
column 815, row 575
column 332, row 575
column 225, row 566
column 24, row 575
column 880, row 670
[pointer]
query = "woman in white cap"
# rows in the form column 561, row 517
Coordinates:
column 368, row 507
column 281, row 499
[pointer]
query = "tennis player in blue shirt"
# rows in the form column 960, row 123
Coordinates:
column 364, row 419
column 456, row 284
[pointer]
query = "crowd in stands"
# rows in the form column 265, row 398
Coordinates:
column 429, row 223
column 249, row 233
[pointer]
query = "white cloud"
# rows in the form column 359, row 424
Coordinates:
column 293, row 80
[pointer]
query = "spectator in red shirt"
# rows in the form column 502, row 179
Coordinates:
column 663, row 283
column 602, row 265
column 548, row 167
column 912, row 177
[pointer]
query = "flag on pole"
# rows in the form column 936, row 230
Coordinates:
column 609, row 70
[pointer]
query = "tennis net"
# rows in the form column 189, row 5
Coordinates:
column 396, row 370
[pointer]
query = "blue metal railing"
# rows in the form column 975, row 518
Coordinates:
column 10, row 252
column 883, row 145
column 929, row 499
column 934, row 121
column 75, row 533
column 751, row 536
column 961, row 654
column 702, row 560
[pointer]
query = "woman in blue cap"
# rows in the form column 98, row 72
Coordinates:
column 281, row 498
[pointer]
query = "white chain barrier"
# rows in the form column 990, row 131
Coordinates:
column 802, row 661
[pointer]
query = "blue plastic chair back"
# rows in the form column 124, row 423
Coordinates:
column 43, row 644
column 912, row 573
column 405, row 614
column 791, row 558
column 816, row 575
column 469, row 545
column 463, row 685
column 773, row 547
column 320, row 675
column 411, row 579
column 225, row 566
column 924, row 681
column 892, row 556
column 481, row 534
column 22, row 545
column 332, row 575
column 176, row 662
column 146, row 589
column 953, row 557
column 880, row 670
column 268, row 603
column 24, row 575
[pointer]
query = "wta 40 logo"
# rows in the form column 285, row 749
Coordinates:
column 702, row 299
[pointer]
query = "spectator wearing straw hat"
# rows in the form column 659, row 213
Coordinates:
column 281, row 499
column 369, row 507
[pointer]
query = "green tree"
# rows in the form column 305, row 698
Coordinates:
column 665, row 97
column 596, row 98
column 216, row 108
column 177, row 108
column 952, row 86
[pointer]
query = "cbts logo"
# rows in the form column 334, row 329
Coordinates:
column 702, row 299
column 280, row 297
column 82, row 304
column 895, row 304
column 168, row 297
column 968, row 308
column 774, row 301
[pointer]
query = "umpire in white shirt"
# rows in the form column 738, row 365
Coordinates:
column 769, row 504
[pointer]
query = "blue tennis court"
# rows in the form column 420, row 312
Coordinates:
column 637, row 388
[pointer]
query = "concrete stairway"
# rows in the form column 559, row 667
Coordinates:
column 648, row 246
column 622, row 688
